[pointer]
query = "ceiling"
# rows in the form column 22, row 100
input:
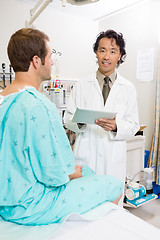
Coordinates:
column 92, row 11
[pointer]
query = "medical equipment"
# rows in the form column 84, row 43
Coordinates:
column 58, row 53
column 137, row 194
column 58, row 96
column 6, row 74
column 148, row 178
column 135, row 190
column 3, row 76
column 55, row 68
column 42, row 4
column 10, row 73
column 77, row 2
column 36, row 11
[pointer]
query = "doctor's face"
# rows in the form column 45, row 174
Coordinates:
column 108, row 54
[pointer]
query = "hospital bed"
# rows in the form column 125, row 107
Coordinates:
column 117, row 223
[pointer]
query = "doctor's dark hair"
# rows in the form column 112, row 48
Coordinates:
column 119, row 41
column 24, row 45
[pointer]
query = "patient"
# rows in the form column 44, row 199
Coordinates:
column 39, row 183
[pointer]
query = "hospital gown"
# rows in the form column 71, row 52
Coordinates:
column 35, row 161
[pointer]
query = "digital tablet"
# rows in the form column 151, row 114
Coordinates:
column 89, row 116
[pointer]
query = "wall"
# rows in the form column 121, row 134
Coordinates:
column 140, row 28
column 71, row 35
column 74, row 37
column 12, row 17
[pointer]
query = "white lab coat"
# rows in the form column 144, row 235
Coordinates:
column 104, row 152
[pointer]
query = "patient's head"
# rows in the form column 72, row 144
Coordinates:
column 24, row 45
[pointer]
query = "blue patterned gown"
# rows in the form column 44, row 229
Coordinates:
column 35, row 161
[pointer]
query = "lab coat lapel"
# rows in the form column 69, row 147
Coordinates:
column 94, row 81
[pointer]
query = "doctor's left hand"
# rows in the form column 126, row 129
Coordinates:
column 107, row 124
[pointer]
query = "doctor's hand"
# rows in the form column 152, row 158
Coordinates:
column 77, row 173
column 107, row 124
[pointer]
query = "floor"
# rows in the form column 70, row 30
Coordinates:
column 150, row 212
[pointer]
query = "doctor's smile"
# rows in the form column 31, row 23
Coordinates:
column 106, row 63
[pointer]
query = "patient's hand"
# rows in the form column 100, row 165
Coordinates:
column 77, row 173
column 117, row 200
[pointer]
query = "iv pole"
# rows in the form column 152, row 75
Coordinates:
column 34, row 14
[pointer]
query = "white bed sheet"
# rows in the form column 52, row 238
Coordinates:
column 116, row 224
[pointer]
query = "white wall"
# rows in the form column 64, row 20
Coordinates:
column 140, row 27
column 12, row 17
column 72, row 36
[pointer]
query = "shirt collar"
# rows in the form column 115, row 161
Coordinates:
column 100, row 77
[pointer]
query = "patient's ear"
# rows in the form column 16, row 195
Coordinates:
column 36, row 61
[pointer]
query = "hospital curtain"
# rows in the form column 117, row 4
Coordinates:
column 154, row 157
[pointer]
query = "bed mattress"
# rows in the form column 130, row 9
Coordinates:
column 118, row 223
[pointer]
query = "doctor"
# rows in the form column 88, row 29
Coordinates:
column 102, row 146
